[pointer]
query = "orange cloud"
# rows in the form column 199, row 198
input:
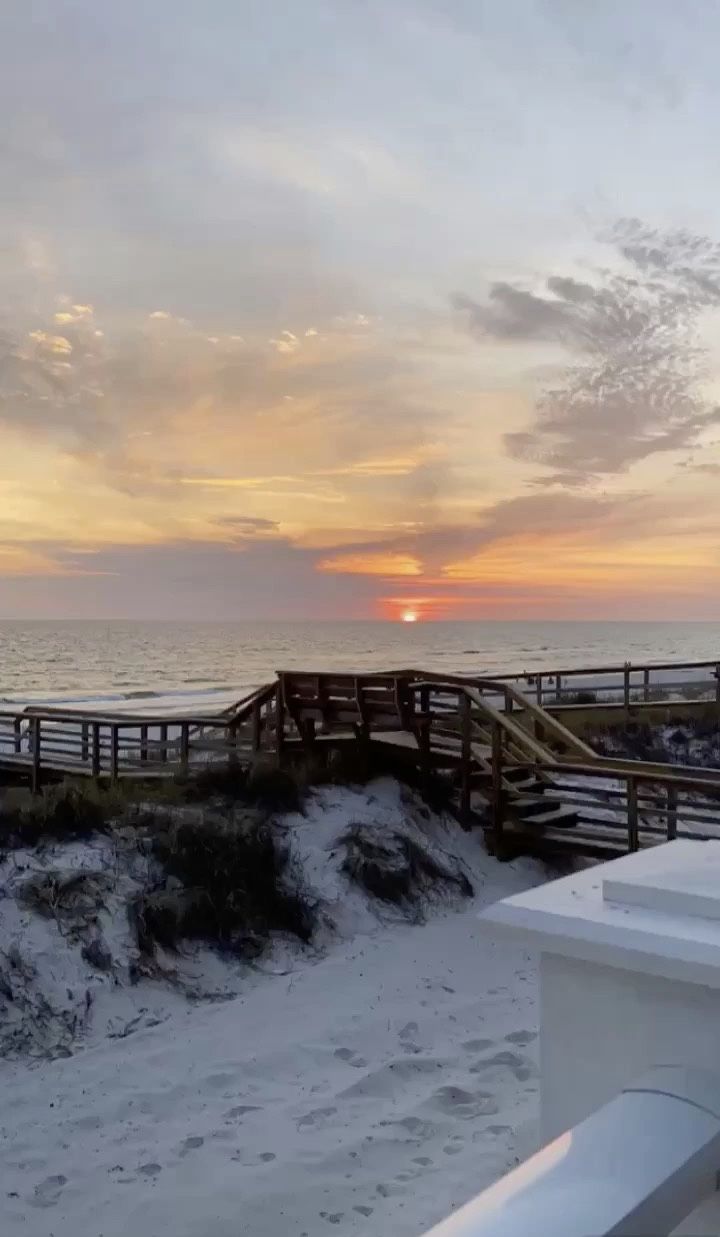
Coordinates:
column 372, row 565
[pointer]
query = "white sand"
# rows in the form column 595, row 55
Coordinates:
column 371, row 1091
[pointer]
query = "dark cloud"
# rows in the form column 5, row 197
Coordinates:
column 634, row 386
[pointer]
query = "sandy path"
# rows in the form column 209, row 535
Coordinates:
column 371, row 1092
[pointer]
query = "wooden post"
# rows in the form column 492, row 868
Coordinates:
column 17, row 728
column 558, row 688
column 164, row 743
column 626, row 686
column 423, row 739
column 256, row 722
column 466, row 759
column 717, row 683
column 114, row 751
column 184, row 746
column 35, row 739
column 539, row 689
column 508, row 701
column 646, row 684
column 672, row 806
column 84, row 744
column 498, row 796
column 279, row 721
column 632, row 814
column 143, row 744
column 96, row 759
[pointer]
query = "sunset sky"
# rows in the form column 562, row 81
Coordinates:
column 347, row 308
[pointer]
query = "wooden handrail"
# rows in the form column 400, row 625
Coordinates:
column 642, row 771
column 552, row 724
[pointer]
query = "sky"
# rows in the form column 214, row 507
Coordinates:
column 354, row 309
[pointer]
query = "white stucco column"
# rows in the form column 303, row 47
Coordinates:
column 629, row 977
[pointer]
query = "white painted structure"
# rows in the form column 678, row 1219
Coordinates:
column 629, row 979
column 636, row 1166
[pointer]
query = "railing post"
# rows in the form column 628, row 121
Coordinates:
column 466, row 759
column 185, row 746
column 632, row 814
column 539, row 689
column 558, row 689
column 279, row 721
column 498, row 795
column 35, row 739
column 626, row 686
column 84, row 744
column 143, row 744
column 17, row 729
column 423, row 742
column 164, row 743
column 114, row 751
column 717, row 683
column 646, row 684
column 96, row 760
column 255, row 732
column 672, row 812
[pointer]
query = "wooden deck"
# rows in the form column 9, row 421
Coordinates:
column 516, row 770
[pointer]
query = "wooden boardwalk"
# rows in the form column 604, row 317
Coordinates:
column 515, row 766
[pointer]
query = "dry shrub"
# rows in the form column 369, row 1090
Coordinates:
column 227, row 886
column 397, row 868
column 263, row 785
column 62, row 812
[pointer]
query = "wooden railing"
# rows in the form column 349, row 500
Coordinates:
column 643, row 805
column 624, row 683
column 499, row 745
column 140, row 745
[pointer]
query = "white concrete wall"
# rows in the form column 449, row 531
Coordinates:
column 601, row 1027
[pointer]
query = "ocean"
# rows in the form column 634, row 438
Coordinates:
column 202, row 666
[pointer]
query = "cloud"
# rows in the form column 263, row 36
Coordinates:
column 633, row 385
column 58, row 345
column 378, row 564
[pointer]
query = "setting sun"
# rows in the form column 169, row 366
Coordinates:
column 409, row 616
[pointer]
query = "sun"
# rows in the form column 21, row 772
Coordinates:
column 409, row 616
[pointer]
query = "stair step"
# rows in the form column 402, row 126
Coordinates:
column 517, row 774
column 558, row 817
column 530, row 805
column 529, row 785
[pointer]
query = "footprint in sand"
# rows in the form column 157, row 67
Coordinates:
column 218, row 1081
column 477, row 1045
column 390, row 1078
column 150, row 1170
column 521, row 1067
column 190, row 1144
column 521, row 1037
column 363, row 1211
column 241, row 1110
column 407, row 1036
column 47, row 1192
column 350, row 1058
column 316, row 1117
column 419, row 1129
column 465, row 1105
